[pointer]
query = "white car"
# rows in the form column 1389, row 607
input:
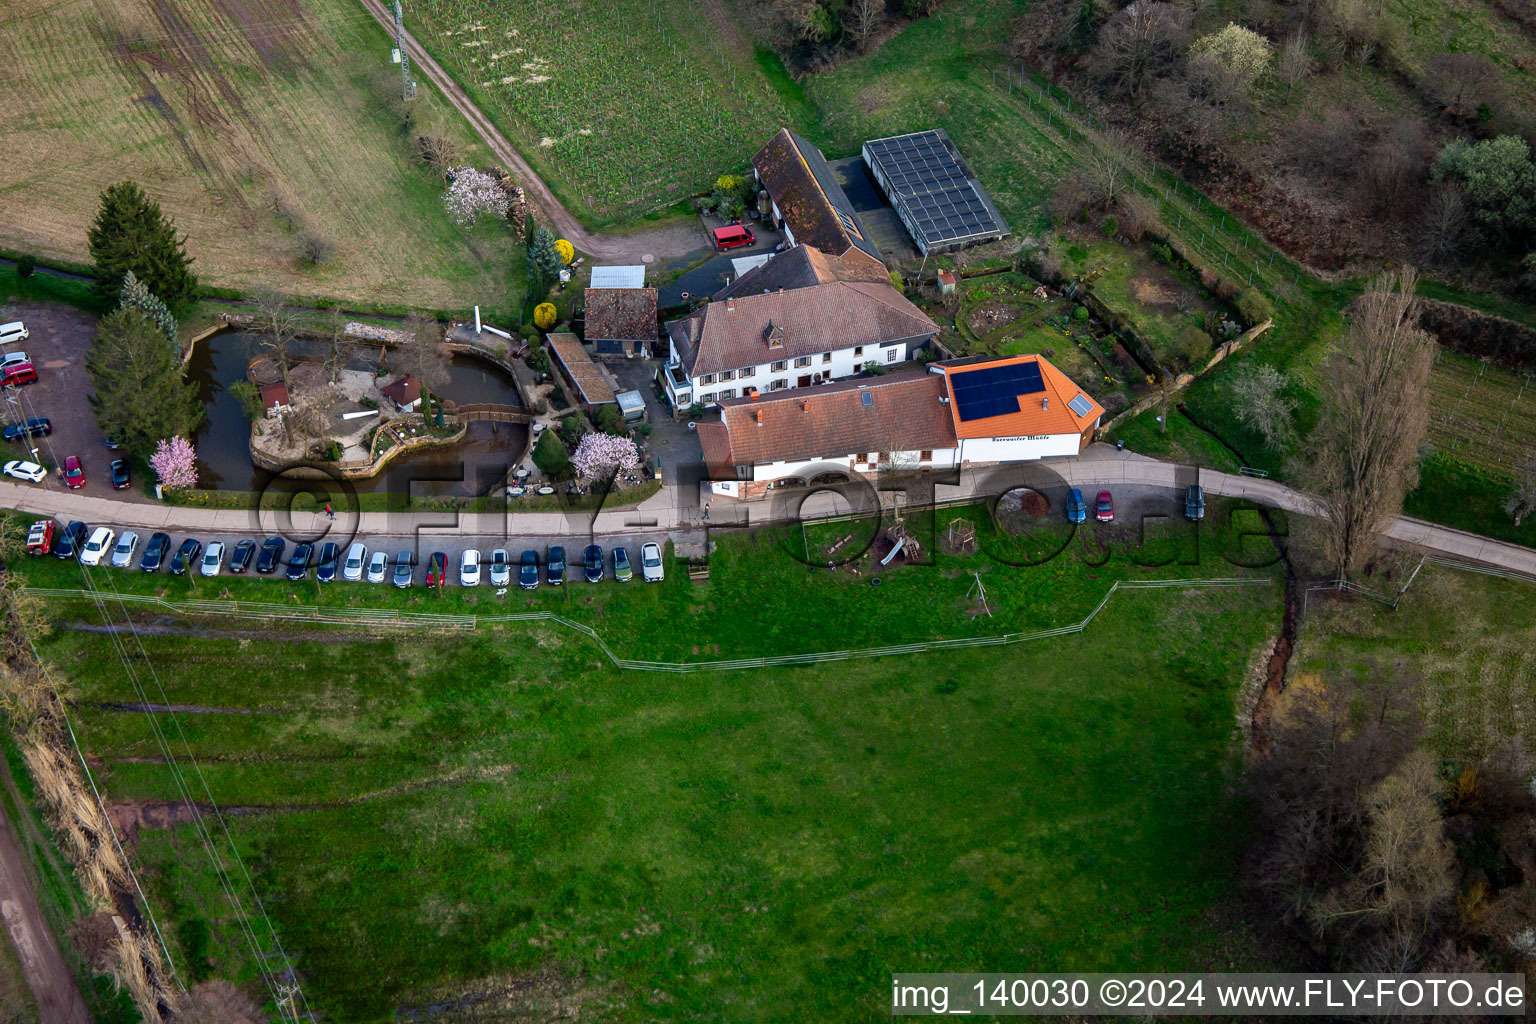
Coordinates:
column 501, row 568
column 469, row 568
column 213, row 557
column 14, row 331
column 96, row 548
column 651, row 569
column 357, row 557
column 378, row 565
column 122, row 555
column 24, row 471
column 13, row 359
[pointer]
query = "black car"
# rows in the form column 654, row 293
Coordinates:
column 592, row 560
column 35, row 427
column 154, row 552
column 71, row 540
column 325, row 572
column 528, row 572
column 298, row 565
column 554, row 569
column 1194, row 503
column 240, row 558
column 119, row 474
column 271, row 555
column 186, row 556
column 113, row 444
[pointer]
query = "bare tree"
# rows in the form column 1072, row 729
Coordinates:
column 339, row 348
column 1522, row 500
column 863, row 19
column 1258, row 402
column 1295, row 62
column 438, row 152
column 1443, row 224
column 1140, row 42
column 217, row 1001
column 278, row 325
column 1462, row 83
column 424, row 356
column 1393, row 163
column 1364, row 451
column 1108, row 168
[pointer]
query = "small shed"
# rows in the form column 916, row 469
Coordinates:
column 585, row 377
column 622, row 321
column 631, row 405
column 405, row 393
column 274, row 397
column 618, row 277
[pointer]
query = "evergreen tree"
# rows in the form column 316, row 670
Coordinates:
column 141, row 397
column 130, row 233
column 136, row 296
column 543, row 261
column 551, row 457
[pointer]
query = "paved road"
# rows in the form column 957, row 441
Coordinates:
column 674, row 511
column 659, row 243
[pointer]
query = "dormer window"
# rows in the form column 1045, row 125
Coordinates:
column 774, row 334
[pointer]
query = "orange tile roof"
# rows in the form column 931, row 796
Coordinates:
column 1035, row 417
column 580, row 369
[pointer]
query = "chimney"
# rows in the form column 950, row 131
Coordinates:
column 805, row 406
column 1045, row 403
column 757, row 414
column 752, row 394
column 730, row 305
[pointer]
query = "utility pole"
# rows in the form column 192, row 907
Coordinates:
column 407, row 87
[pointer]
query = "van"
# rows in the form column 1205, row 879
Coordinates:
column 15, row 331
column 732, row 236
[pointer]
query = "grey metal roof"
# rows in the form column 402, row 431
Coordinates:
column 926, row 178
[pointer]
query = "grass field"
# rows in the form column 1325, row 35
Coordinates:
column 622, row 109
column 251, row 123
column 436, row 815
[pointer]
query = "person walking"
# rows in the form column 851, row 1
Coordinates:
column 707, row 504
column 330, row 512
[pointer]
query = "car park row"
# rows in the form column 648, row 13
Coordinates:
column 328, row 560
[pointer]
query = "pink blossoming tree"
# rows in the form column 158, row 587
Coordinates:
column 472, row 194
column 600, row 456
column 175, row 463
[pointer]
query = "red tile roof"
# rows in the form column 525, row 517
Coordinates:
column 808, row 321
column 807, row 193
column 803, row 267
column 1046, row 412
column 403, row 391
column 582, row 372
column 621, row 314
column 905, row 413
column 275, row 393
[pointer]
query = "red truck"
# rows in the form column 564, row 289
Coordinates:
column 40, row 537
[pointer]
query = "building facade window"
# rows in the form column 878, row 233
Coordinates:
column 746, row 371
column 707, row 397
column 857, row 367
column 778, row 385
column 776, row 367
column 803, row 361
column 708, row 378
column 826, row 357
column 727, row 374
column 858, row 350
column 727, row 393
column 925, row 456
column 891, row 353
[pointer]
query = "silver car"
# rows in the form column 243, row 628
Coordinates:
column 378, row 565
column 651, row 569
column 122, row 555
column 352, row 568
column 469, row 568
column 501, row 568
column 213, row 558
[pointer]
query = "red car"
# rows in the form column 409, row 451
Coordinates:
column 733, row 236
column 18, row 373
column 74, row 472
column 40, row 537
column 1104, row 508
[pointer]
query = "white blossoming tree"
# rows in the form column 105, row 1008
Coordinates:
column 600, row 456
column 175, row 463
column 472, row 194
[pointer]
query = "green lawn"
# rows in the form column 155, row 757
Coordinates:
column 450, row 813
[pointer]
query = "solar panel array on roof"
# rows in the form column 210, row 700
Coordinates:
column 994, row 391
column 1080, row 405
column 928, row 182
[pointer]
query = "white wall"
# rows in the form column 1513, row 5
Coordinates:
column 1018, row 449
column 842, row 364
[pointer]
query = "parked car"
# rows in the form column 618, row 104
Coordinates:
column 298, row 563
column 112, row 443
column 437, row 569
column 592, row 563
column 70, row 541
column 554, row 568
column 405, row 568
column 378, row 565
column 621, row 567
column 17, row 374
column 271, row 555
column 469, row 568
column 240, row 558
column 733, row 236
column 122, row 555
column 651, row 569
column 352, row 567
column 501, row 568
column 154, row 552
column 330, row 554
column 40, row 537
column 74, row 472
column 13, row 332
column 1194, row 503
column 119, row 474
column 213, row 558
column 37, row 426
column 23, row 470
column 1077, row 509
column 185, row 555
column 1104, row 508
column 13, row 359
column 97, row 547
column 528, row 572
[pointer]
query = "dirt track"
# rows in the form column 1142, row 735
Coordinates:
column 659, row 243
column 52, row 984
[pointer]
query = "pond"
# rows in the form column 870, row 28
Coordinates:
column 471, row 468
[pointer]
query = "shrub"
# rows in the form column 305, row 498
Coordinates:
column 545, row 315
column 557, row 399
column 1253, row 306
column 1080, row 313
column 566, row 250
column 696, row 410
column 314, row 249
column 1162, row 253
column 1192, row 344
column 1109, row 227
column 25, row 266
column 551, row 456
column 333, row 452
column 642, row 430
